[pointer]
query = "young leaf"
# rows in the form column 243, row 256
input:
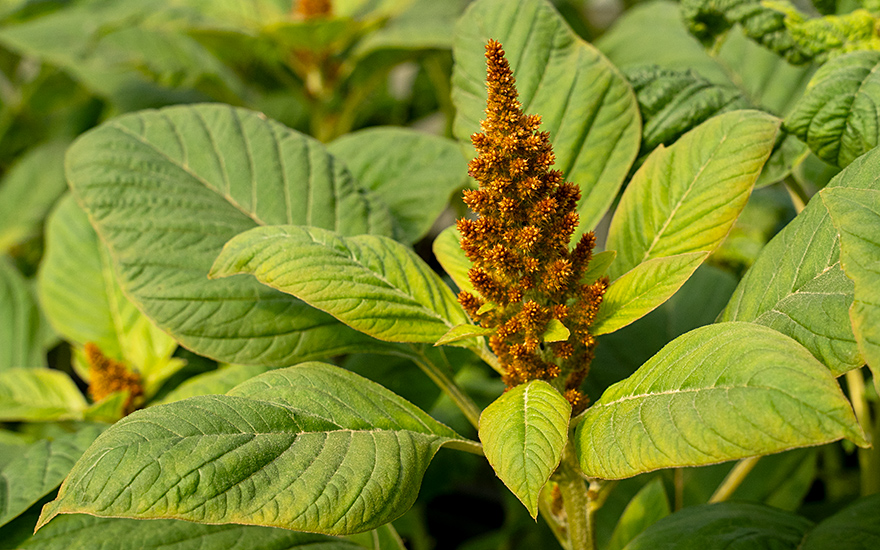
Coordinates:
column 797, row 286
column 412, row 172
column 82, row 299
column 21, row 329
column 523, row 433
column 645, row 509
column 717, row 393
column 83, row 531
column 40, row 469
column 28, row 395
column 310, row 448
column 687, row 197
column 643, row 288
column 729, row 525
column 585, row 104
column 372, row 284
column 448, row 251
column 167, row 189
column 856, row 526
column 463, row 332
column 856, row 215
column 837, row 116
column 598, row 266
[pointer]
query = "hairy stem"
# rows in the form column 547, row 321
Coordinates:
column 734, row 479
column 576, row 502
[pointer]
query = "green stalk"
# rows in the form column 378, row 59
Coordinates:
column 734, row 479
column 576, row 502
column 440, row 376
column 869, row 459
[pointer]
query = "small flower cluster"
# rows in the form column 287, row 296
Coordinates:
column 523, row 270
column 109, row 376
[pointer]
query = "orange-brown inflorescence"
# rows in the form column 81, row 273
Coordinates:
column 523, row 269
column 109, row 376
column 310, row 9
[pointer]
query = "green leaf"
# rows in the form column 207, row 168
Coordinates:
column 40, row 469
column 177, row 184
column 687, row 197
column 674, row 101
column 218, row 381
column 796, row 285
column 372, row 284
column 645, row 509
column 585, row 104
column 412, row 172
column 310, row 448
column 729, row 525
column 640, row 290
column 21, row 330
column 447, row 250
column 38, row 395
column 81, row 298
column 82, row 531
column 837, row 116
column 463, row 332
column 555, row 332
column 720, row 392
column 28, row 191
column 856, row 526
column 598, row 266
column 856, row 215
column 523, row 433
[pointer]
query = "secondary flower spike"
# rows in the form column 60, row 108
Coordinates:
column 523, row 269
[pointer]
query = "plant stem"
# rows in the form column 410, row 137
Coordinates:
column 441, row 377
column 734, row 479
column 869, row 459
column 576, row 502
column 486, row 355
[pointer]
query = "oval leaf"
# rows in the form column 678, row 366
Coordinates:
column 82, row 531
column 412, row 172
column 856, row 215
column 797, row 286
column 642, row 289
column 40, row 469
column 28, row 395
column 729, row 525
column 687, row 197
column 310, row 448
column 21, row 329
column 447, row 250
column 586, row 105
column 717, row 393
column 372, row 284
column 837, row 116
column 523, row 433
column 856, row 526
column 167, row 189
column 646, row 508
column 463, row 332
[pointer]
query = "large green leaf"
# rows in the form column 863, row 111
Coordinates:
column 82, row 299
column 82, row 532
column 167, row 189
column 215, row 382
column 857, row 526
column 21, row 330
column 687, row 197
column 373, row 284
column 729, row 525
column 38, row 395
column 641, row 289
column 646, row 508
column 311, row 448
column 414, row 173
column 523, row 433
column 28, row 191
column 797, row 286
column 856, row 215
column 717, row 393
column 837, row 116
column 40, row 469
column 585, row 104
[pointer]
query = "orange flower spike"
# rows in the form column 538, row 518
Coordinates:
column 109, row 376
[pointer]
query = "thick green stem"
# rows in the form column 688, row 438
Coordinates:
column 869, row 459
column 440, row 376
column 734, row 479
column 576, row 502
